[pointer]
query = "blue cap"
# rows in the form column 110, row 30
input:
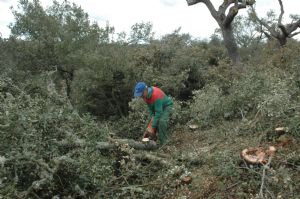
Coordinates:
column 139, row 89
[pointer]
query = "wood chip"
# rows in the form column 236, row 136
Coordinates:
column 145, row 140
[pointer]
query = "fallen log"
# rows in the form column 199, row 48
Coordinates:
column 114, row 143
column 111, row 144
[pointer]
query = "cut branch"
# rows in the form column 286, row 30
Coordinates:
column 263, row 177
column 193, row 2
column 151, row 145
column 112, row 144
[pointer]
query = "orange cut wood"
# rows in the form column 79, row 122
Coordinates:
column 257, row 155
column 186, row 179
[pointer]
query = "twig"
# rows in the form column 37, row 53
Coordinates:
column 265, row 167
column 243, row 117
column 272, row 195
column 231, row 186
column 35, row 195
column 198, row 154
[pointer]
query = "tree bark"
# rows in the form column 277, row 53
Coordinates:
column 151, row 145
column 225, row 20
column 112, row 144
column 230, row 44
column 279, row 31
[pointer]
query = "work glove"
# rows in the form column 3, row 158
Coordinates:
column 150, row 130
column 150, row 133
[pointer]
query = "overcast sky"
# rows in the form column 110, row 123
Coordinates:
column 165, row 15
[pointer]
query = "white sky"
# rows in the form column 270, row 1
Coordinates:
column 165, row 15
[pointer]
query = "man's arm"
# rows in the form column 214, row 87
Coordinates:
column 158, row 109
column 151, row 113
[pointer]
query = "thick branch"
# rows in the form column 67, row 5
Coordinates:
column 132, row 143
column 281, row 12
column 294, row 34
column 233, row 11
column 193, row 2
column 269, row 28
column 208, row 4
column 293, row 26
column 267, row 34
column 280, row 25
column 231, row 14
column 112, row 144
column 283, row 30
column 223, row 7
column 211, row 8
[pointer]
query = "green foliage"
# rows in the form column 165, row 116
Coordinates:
column 245, row 31
column 170, row 65
column 32, row 128
column 134, row 125
column 141, row 33
column 227, row 165
column 268, row 92
column 205, row 107
column 105, row 87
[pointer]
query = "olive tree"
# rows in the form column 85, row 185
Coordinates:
column 224, row 20
column 274, row 28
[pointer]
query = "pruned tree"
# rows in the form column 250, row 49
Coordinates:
column 274, row 28
column 225, row 22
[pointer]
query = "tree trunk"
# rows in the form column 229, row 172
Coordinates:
column 231, row 45
column 282, row 41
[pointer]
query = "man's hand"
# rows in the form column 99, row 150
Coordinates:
column 150, row 130
column 150, row 133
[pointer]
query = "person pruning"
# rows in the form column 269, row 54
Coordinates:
column 159, row 106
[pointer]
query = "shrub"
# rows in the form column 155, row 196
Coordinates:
column 267, row 91
column 33, row 158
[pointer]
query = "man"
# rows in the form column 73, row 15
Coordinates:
column 159, row 106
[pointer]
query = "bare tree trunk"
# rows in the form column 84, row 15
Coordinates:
column 224, row 20
column 231, row 45
column 282, row 41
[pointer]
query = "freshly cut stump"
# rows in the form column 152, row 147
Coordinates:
column 257, row 155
